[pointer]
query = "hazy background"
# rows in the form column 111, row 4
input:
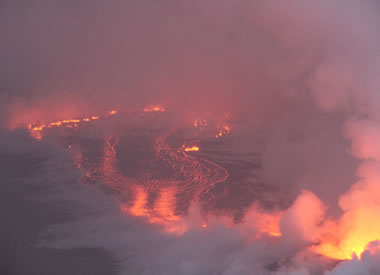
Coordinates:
column 298, row 78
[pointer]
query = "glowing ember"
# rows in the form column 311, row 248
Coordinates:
column 154, row 109
column 200, row 123
column 226, row 130
column 191, row 149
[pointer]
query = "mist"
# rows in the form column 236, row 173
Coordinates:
column 297, row 81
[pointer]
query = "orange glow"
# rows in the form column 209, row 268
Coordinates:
column 345, row 238
column 154, row 109
column 275, row 234
column 340, row 239
column 264, row 223
column 162, row 212
column 64, row 122
column 198, row 123
column 359, row 226
column 36, row 128
column 191, row 149
column 59, row 123
column 225, row 130
column 162, row 209
column 35, row 132
column 139, row 206
column 165, row 206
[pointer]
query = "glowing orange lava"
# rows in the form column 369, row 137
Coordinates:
column 112, row 112
column 191, row 149
column 359, row 226
column 154, row 109
column 341, row 239
column 161, row 213
column 344, row 239
column 195, row 178
column 139, row 206
column 225, row 130
column 200, row 123
column 36, row 128
column 264, row 223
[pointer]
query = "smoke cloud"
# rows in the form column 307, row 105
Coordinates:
column 298, row 79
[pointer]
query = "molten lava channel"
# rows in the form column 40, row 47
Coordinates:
column 340, row 239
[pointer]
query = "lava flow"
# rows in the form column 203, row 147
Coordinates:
column 154, row 195
column 174, row 177
column 36, row 128
column 191, row 149
column 159, row 199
